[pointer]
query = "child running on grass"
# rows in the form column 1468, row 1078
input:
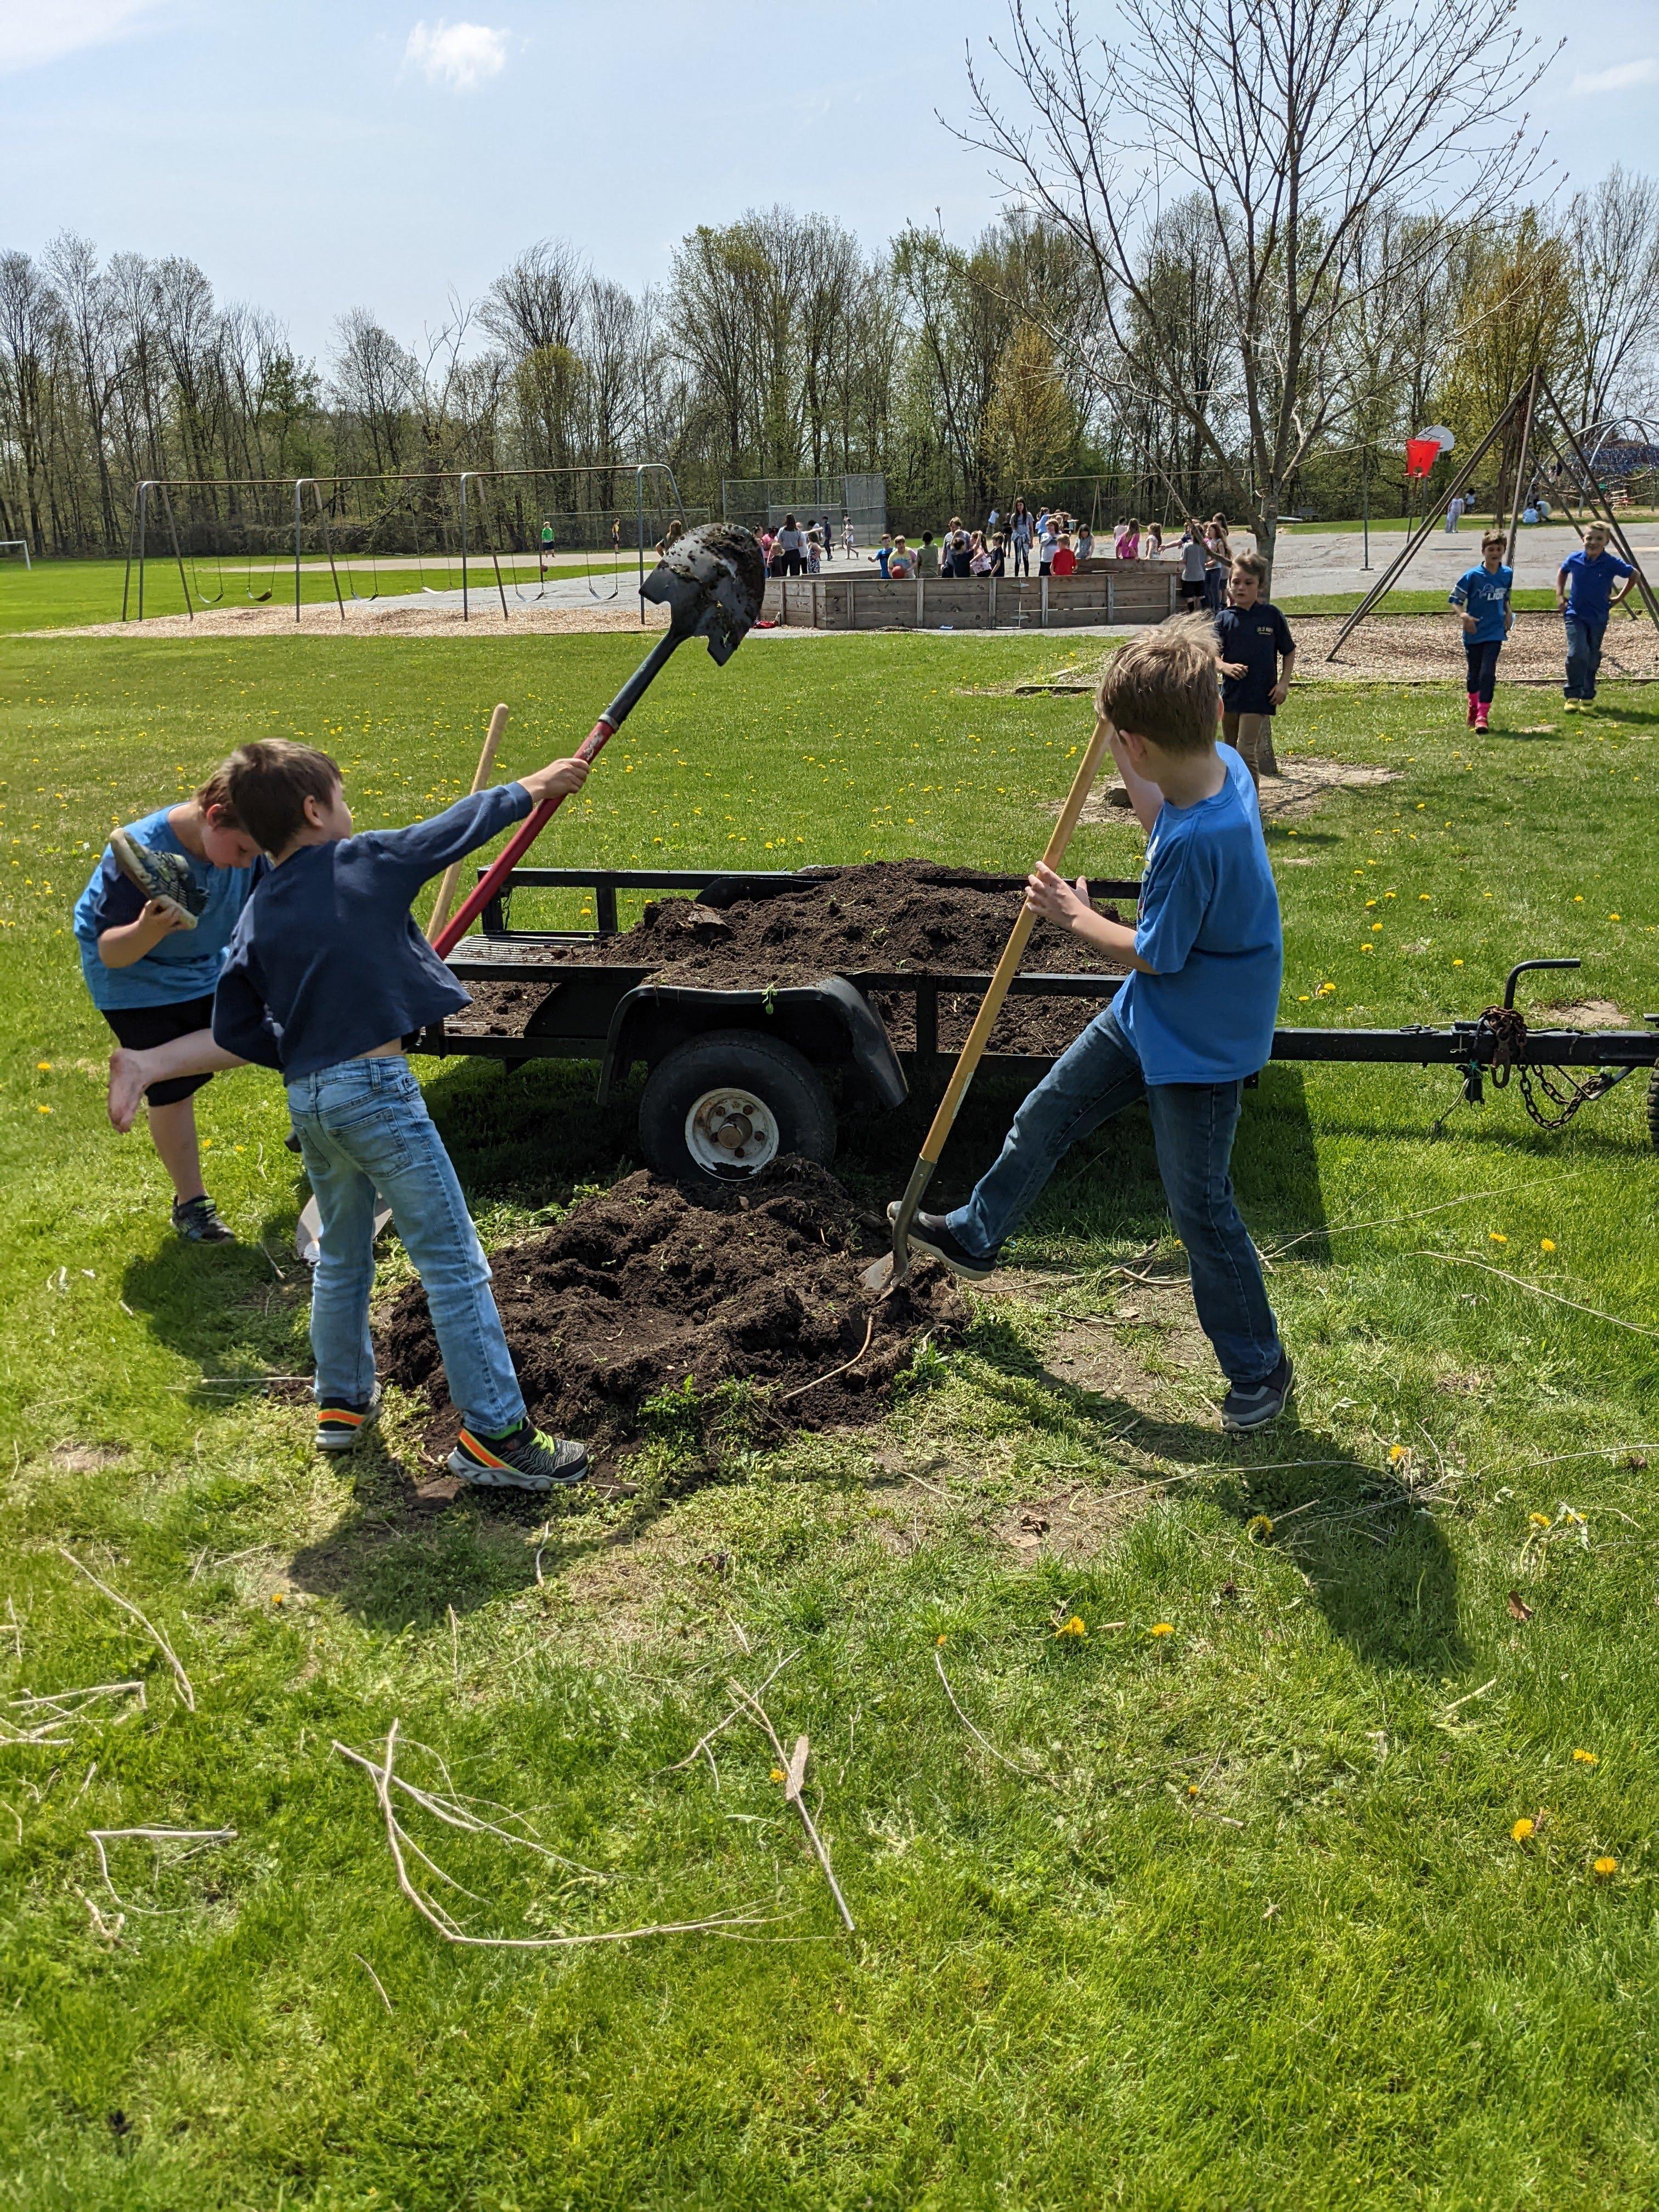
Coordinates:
column 1585, row 592
column 327, row 975
column 153, row 924
column 1258, row 660
column 1195, row 1018
column 1483, row 596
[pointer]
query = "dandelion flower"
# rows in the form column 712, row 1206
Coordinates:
column 276, row 1597
column 1547, row 1244
column 1192, row 1788
column 1496, row 1237
column 1612, row 917
column 1259, row 1524
column 1072, row 1627
column 1163, row 1628
column 44, row 1067
column 1586, row 1759
column 939, row 1639
column 1539, row 1520
column 43, row 1109
column 1578, row 898
column 1396, row 1453
column 1523, row 1831
column 778, row 1775
column 1604, row 1867
column 1457, row 963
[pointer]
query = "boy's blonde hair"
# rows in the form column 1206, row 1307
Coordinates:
column 1162, row 686
column 1494, row 538
column 1597, row 530
column 1253, row 564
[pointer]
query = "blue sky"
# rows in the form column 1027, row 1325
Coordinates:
column 323, row 153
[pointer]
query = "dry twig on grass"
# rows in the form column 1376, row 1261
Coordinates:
column 397, row 1839
column 200, row 1838
column 149, row 1627
column 1026, row 1773
column 373, row 1978
column 794, row 1768
column 701, row 1746
column 1462, row 1260
column 64, row 1709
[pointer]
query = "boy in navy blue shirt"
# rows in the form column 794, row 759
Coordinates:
column 327, row 975
column 1193, row 1019
column 153, row 924
column 1482, row 596
column 1258, row 660
column 1584, row 593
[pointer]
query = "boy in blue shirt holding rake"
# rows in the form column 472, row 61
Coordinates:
column 1193, row 1019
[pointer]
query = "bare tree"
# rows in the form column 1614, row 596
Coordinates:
column 1615, row 293
column 1295, row 120
column 29, row 322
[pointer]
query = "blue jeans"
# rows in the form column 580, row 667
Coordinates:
column 1583, row 655
column 1193, row 1126
column 363, row 1127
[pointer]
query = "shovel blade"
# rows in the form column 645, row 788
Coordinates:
column 713, row 582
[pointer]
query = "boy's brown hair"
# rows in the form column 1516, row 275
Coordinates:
column 1253, row 564
column 213, row 797
column 1494, row 538
column 1162, row 685
column 269, row 783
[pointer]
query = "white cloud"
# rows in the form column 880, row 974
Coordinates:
column 463, row 56
column 1620, row 78
column 31, row 33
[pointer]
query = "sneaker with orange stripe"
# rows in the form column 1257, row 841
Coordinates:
column 524, row 1459
column 342, row 1422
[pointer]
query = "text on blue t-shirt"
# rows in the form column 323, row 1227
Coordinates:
column 1485, row 594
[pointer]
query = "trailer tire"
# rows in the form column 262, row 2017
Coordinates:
column 1653, row 1107
column 719, row 1108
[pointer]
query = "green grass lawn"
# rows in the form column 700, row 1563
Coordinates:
column 64, row 594
column 1263, row 1936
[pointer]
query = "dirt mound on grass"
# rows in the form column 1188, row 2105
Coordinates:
column 908, row 916
column 636, row 1291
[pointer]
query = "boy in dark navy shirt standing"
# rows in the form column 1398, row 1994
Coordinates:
column 326, row 975
column 1258, row 656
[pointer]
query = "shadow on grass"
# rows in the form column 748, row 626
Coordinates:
column 1375, row 1564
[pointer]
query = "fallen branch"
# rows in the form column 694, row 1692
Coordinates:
column 384, row 1779
column 199, row 1837
column 373, row 1978
column 455, row 1813
column 1026, row 1773
column 63, row 1710
column 148, row 1625
column 1460, row 1259
column 794, row 1768
column 703, row 1741
column 801, row 1390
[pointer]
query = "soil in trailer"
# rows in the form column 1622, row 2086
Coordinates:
column 901, row 915
column 641, row 1306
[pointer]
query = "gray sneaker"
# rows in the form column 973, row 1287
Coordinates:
column 159, row 875
column 524, row 1459
column 197, row 1220
column 1242, row 1410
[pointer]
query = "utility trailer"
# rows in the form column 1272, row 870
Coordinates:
column 736, row 1076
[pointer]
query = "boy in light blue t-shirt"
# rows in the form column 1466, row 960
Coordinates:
column 1195, row 1018
column 1482, row 597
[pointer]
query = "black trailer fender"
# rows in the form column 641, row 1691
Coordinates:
column 828, row 1023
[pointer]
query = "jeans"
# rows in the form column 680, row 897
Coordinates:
column 1213, row 580
column 1583, row 655
column 1482, row 659
column 1193, row 1126
column 1021, row 561
column 363, row 1127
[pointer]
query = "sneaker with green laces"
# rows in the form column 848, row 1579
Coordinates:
column 166, row 875
column 197, row 1220
column 343, row 1423
column 522, row 1459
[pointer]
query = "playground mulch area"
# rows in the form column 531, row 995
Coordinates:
column 404, row 615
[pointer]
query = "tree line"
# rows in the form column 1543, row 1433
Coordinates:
column 1261, row 332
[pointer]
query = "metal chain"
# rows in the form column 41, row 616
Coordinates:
column 1507, row 1027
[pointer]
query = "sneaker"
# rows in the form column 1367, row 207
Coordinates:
column 931, row 1233
column 159, row 875
column 1572, row 706
column 523, row 1459
column 1262, row 1402
column 197, row 1220
column 342, row 1423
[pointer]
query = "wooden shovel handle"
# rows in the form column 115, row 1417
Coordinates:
column 990, row 1006
column 452, row 875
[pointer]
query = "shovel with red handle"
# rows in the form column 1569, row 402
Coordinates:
column 712, row 581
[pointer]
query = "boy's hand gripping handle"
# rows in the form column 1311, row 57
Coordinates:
column 533, row 826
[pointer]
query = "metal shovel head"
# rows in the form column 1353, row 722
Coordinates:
column 308, row 1230
column 713, row 582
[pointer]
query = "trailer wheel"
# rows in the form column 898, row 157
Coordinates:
column 720, row 1108
column 1653, row 1107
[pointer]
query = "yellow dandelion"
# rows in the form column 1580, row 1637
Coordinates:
column 1604, row 1867
column 1457, row 963
column 938, row 1639
column 1586, row 1759
column 778, row 1775
column 44, row 1067
column 1523, row 1831
column 276, row 1597
column 1163, row 1628
column 1396, row 1453
column 1072, row 1627
column 1496, row 1237
column 1578, row 898
column 1612, row 917
column 43, row 1109
column 1192, row 1788
column 1547, row 1244
column 1259, row 1524
column 1539, row 1520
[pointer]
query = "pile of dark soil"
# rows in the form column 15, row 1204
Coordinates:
column 636, row 1291
column 898, row 915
